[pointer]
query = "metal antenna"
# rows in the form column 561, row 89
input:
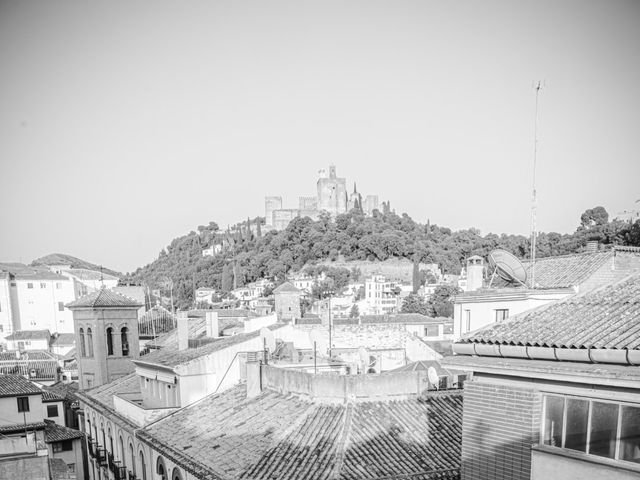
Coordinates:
column 534, row 196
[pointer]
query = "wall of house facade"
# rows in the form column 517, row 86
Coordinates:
column 545, row 466
column 6, row 322
column 73, row 458
column 287, row 306
column 40, row 304
column 482, row 311
column 500, row 424
column 59, row 418
column 10, row 414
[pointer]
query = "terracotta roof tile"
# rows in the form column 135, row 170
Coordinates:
column 30, row 335
column 605, row 318
column 50, row 396
column 58, row 433
column 279, row 436
column 287, row 287
column 104, row 298
column 13, row 385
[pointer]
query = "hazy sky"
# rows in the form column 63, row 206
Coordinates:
column 125, row 124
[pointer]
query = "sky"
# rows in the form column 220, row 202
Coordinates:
column 126, row 124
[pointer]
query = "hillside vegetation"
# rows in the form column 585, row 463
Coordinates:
column 250, row 254
column 64, row 259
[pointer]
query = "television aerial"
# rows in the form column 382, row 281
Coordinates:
column 507, row 266
column 434, row 379
column 319, row 340
column 268, row 339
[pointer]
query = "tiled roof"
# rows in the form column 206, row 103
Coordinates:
column 44, row 364
column 30, row 335
column 567, row 270
column 57, row 433
column 404, row 318
column 20, row 427
column 197, row 329
column 285, row 437
column 13, row 385
column 605, row 318
column 171, row 357
column 64, row 339
column 50, row 396
column 104, row 393
column 86, row 274
column 65, row 390
column 287, row 287
column 25, row 272
column 104, row 298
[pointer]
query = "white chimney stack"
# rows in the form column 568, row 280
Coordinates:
column 213, row 325
column 475, row 273
column 183, row 331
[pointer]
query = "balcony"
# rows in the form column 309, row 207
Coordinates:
column 132, row 476
column 102, row 457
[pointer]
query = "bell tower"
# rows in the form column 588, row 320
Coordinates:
column 106, row 330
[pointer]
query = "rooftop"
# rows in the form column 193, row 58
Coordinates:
column 286, row 287
column 86, row 274
column 171, row 357
column 21, row 271
column 51, row 396
column 606, row 318
column 65, row 390
column 13, row 385
column 64, row 339
column 58, row 433
column 283, row 436
column 30, row 335
column 104, row 298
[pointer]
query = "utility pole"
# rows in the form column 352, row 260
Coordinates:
column 534, row 195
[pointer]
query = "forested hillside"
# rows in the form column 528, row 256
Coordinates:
column 249, row 254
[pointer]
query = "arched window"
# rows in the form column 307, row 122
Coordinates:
column 122, row 457
column 89, row 429
column 83, row 348
column 111, row 450
column 104, row 438
column 176, row 475
column 143, row 466
column 160, row 469
column 124, row 336
column 109, row 341
column 133, row 459
column 89, row 343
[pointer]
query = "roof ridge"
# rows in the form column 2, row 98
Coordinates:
column 344, row 437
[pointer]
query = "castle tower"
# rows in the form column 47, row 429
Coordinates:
column 106, row 330
column 270, row 205
column 332, row 193
column 355, row 200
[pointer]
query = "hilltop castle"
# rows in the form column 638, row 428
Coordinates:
column 331, row 197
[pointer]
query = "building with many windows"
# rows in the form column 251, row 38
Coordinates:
column 555, row 391
column 381, row 295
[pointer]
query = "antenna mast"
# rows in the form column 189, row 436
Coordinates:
column 534, row 196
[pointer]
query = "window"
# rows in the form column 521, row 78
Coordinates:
column 89, row 343
column 83, row 348
column 71, row 467
column 23, row 404
column 29, row 285
column 604, row 429
column 143, row 466
column 43, row 285
column 467, row 317
column 65, row 446
column 58, row 285
column 431, row 331
column 160, row 469
column 125, row 341
column 61, row 306
column 502, row 314
column 109, row 341
column 52, row 410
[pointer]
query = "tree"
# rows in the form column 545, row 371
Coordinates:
column 227, row 278
column 258, row 228
column 441, row 302
column 416, row 276
column 595, row 216
column 414, row 304
column 355, row 311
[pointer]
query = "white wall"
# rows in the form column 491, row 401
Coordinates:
column 59, row 419
column 39, row 307
column 10, row 414
column 34, row 344
column 253, row 324
column 483, row 310
column 6, row 325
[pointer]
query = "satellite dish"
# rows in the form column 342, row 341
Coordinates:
column 320, row 339
column 507, row 266
column 364, row 356
column 268, row 338
column 434, row 379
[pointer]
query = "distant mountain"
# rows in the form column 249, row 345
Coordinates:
column 64, row 259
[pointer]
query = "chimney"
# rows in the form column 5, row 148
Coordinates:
column 475, row 273
column 183, row 331
column 212, row 325
column 254, row 378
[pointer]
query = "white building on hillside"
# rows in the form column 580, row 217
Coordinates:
column 380, row 295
